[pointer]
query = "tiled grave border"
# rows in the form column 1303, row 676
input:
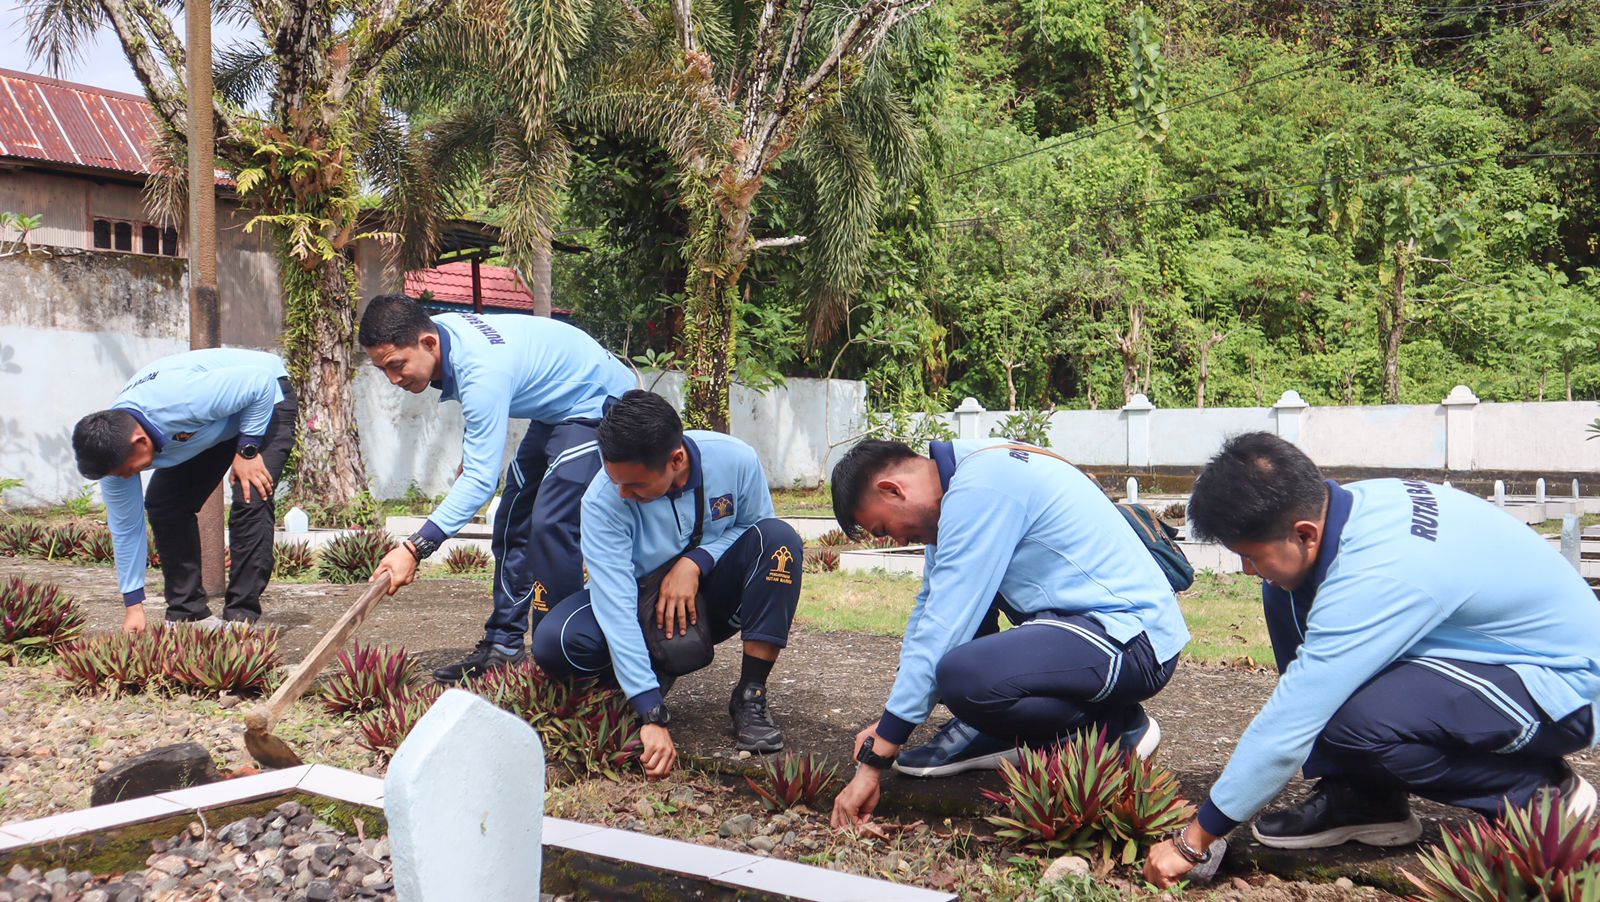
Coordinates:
column 739, row 870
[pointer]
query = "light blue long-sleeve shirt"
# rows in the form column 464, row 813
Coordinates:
column 1038, row 531
column 187, row 403
column 625, row 540
column 1416, row 570
column 514, row 366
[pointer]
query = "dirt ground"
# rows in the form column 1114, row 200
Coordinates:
column 825, row 688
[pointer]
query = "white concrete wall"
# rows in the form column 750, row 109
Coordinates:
column 1459, row 434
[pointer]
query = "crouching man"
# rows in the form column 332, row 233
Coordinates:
column 194, row 418
column 695, row 505
column 1021, row 530
column 1428, row 644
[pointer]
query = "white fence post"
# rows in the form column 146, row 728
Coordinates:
column 1538, row 490
column 1137, row 411
column 1290, row 413
column 1499, row 493
column 966, row 417
column 1133, row 490
column 1459, row 411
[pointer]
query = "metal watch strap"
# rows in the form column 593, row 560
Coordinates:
column 421, row 545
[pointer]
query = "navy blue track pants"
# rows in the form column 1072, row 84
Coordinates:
column 752, row 591
column 1048, row 678
column 1456, row 732
column 536, row 556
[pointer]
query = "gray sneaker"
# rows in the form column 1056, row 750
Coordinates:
column 211, row 624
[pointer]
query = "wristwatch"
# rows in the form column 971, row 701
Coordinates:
column 659, row 715
column 249, row 452
column 421, row 546
column 872, row 759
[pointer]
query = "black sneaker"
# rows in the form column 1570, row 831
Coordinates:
column 753, row 729
column 485, row 657
column 957, row 747
column 1342, row 810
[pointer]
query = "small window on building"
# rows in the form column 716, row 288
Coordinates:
column 169, row 242
column 123, row 236
column 102, row 234
column 149, row 240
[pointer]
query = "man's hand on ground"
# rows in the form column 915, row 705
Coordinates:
column 675, row 606
column 133, row 618
column 1166, row 865
column 855, row 803
column 659, row 755
column 251, row 473
column 401, row 566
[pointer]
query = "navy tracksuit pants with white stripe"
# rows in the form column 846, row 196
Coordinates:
column 1048, row 678
column 536, row 557
column 1456, row 732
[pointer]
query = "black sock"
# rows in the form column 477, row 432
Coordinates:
column 753, row 670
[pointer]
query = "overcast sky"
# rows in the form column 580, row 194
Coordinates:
column 101, row 64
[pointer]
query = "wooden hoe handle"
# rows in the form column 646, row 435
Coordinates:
column 299, row 679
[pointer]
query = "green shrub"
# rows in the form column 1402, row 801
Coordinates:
column 1087, row 795
column 61, row 542
column 367, row 677
column 352, row 557
column 97, row 546
column 464, row 559
column 793, row 779
column 821, row 561
column 383, row 729
column 172, row 657
column 832, row 537
column 118, row 663
column 1535, row 852
column 36, row 619
column 17, row 539
column 1029, row 427
column 587, row 729
column 291, row 559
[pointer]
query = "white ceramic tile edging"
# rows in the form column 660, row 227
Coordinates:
column 736, row 869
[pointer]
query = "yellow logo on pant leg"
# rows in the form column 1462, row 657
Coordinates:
column 779, row 573
column 539, row 592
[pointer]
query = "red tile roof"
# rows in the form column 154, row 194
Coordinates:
column 451, row 283
column 61, row 122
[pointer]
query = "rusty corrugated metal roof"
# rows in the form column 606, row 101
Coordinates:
column 60, row 122
column 451, row 283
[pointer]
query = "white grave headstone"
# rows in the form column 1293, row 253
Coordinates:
column 1499, row 493
column 464, row 798
column 1538, row 490
column 295, row 522
column 1133, row 490
column 1572, row 541
column 1575, row 495
column 494, row 507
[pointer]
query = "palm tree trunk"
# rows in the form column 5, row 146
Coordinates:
column 540, row 271
column 319, row 320
column 711, row 321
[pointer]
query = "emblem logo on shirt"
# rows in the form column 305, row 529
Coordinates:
column 539, row 592
column 779, row 573
column 1019, row 455
column 183, row 436
column 722, row 506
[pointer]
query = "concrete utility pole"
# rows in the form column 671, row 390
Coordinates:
column 205, row 327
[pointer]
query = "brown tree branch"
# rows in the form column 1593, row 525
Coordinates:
column 392, row 23
column 683, row 15
column 790, row 241
column 761, row 66
column 133, row 20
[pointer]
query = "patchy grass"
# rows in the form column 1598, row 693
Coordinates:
column 1553, row 527
column 1223, row 610
column 1225, row 619
column 813, row 502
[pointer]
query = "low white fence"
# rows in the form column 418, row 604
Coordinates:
column 1459, row 434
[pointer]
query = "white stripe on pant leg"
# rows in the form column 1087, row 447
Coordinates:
column 510, row 506
column 563, row 640
column 760, row 554
column 1494, row 696
column 1113, row 656
column 571, row 454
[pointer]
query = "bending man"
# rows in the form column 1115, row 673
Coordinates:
column 1427, row 644
column 501, row 367
column 1020, row 530
column 192, row 418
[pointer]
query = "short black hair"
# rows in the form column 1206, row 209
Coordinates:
column 1254, row 490
column 640, row 428
column 102, row 441
column 855, row 472
column 394, row 319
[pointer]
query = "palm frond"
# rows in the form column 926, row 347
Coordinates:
column 837, row 162
column 59, row 30
column 243, row 72
column 526, row 178
column 166, row 192
column 540, row 36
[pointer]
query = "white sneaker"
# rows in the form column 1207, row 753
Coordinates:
column 212, row 623
column 1578, row 797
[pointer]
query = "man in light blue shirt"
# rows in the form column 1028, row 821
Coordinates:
column 192, row 417
column 693, row 509
column 1428, row 643
column 1016, row 529
column 500, row 367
